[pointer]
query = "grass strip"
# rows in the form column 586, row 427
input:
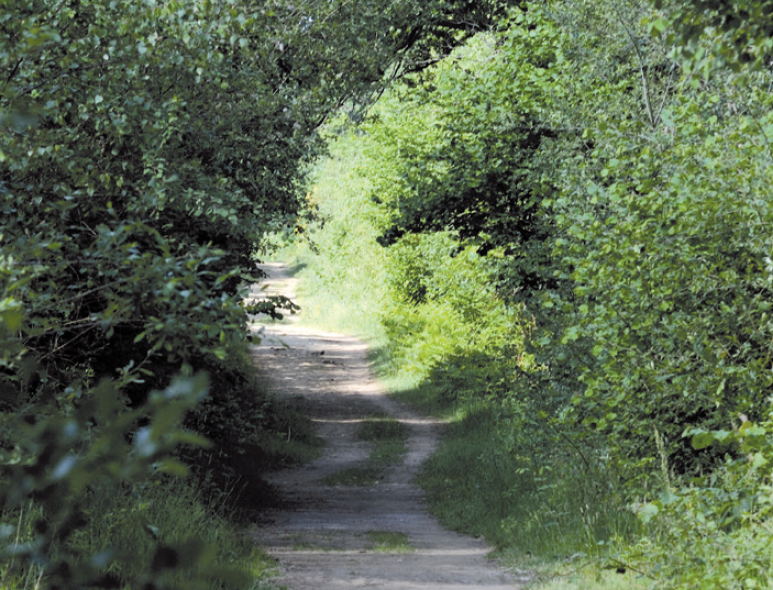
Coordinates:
column 389, row 542
column 388, row 437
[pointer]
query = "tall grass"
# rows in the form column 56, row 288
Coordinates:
column 556, row 506
column 128, row 524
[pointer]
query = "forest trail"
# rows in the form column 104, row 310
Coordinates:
column 321, row 536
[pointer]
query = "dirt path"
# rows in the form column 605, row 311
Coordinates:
column 321, row 542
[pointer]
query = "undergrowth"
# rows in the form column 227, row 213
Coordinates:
column 187, row 532
column 252, row 431
column 129, row 524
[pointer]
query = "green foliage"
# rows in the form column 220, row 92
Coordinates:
column 677, row 286
column 126, row 526
column 714, row 532
column 59, row 461
column 444, row 334
column 146, row 201
column 662, row 314
column 712, row 33
column 641, row 255
column 463, row 164
column 148, row 149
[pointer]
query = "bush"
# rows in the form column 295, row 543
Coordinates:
column 714, row 533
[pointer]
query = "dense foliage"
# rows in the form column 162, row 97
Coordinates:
column 572, row 170
column 147, row 151
column 637, row 244
column 574, row 202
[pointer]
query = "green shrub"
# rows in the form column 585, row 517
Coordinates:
column 714, row 533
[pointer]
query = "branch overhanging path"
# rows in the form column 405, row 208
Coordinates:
column 320, row 536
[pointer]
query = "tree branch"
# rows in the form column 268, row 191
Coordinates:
column 642, row 69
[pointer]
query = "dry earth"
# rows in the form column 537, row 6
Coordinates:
column 320, row 537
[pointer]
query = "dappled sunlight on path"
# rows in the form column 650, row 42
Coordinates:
column 321, row 535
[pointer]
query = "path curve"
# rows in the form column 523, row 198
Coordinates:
column 319, row 537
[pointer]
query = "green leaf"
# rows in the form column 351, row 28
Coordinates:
column 647, row 512
column 658, row 26
column 702, row 440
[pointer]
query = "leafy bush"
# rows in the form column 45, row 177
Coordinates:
column 61, row 460
column 715, row 532
column 675, row 287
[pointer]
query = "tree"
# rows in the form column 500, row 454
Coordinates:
column 562, row 156
column 147, row 151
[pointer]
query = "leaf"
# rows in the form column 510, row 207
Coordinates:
column 759, row 460
column 12, row 319
column 702, row 440
column 658, row 26
column 647, row 512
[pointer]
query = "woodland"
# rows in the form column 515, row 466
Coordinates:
column 549, row 219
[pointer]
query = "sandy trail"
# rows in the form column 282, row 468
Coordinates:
column 320, row 540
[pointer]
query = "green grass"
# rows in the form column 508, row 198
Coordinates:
column 425, row 396
column 376, row 541
column 389, row 542
column 134, row 521
column 579, row 573
column 523, row 493
column 388, row 437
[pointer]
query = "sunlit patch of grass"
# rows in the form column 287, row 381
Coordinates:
column 389, row 542
column 576, row 573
